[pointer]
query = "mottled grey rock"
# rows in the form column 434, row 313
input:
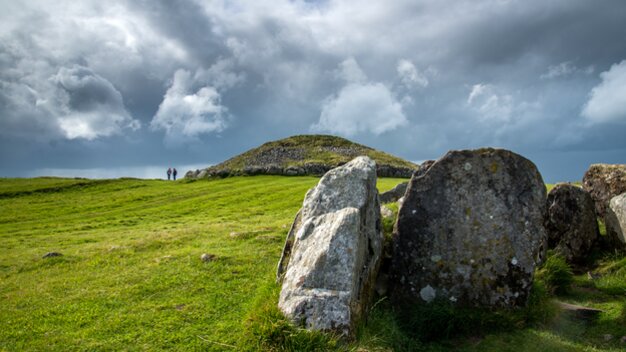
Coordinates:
column 394, row 194
column 294, row 171
column 392, row 171
column 470, row 230
column 603, row 182
column 571, row 222
column 202, row 174
column 316, row 169
column 616, row 221
column 333, row 251
column 52, row 254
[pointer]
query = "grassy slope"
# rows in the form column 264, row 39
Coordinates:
column 131, row 278
column 315, row 152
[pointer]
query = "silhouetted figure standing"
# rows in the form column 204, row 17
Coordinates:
column 174, row 173
column 169, row 174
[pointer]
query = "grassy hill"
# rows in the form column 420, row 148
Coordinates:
column 312, row 154
column 131, row 277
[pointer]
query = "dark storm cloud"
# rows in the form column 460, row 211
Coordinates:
column 210, row 79
column 184, row 22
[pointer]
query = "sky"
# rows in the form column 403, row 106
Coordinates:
column 129, row 88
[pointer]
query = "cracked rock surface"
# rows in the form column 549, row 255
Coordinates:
column 333, row 251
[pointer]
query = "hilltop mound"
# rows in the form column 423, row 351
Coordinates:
column 304, row 155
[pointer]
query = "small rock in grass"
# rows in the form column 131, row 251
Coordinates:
column 593, row 276
column 623, row 340
column 607, row 337
column 52, row 254
column 235, row 234
column 385, row 212
column 205, row 257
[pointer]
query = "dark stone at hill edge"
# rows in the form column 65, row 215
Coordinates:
column 571, row 222
column 394, row 194
column 52, row 254
column 603, row 182
column 470, row 231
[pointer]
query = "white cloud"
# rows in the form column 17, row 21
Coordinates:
column 489, row 103
column 72, row 103
column 90, row 106
column 221, row 75
column 361, row 108
column 607, row 100
column 409, row 75
column 350, row 71
column 186, row 113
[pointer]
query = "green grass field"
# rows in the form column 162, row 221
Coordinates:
column 131, row 277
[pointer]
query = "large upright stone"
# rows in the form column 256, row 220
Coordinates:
column 571, row 222
column 603, row 182
column 470, row 230
column 333, row 251
column 616, row 222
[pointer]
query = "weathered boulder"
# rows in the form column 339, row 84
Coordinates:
column 616, row 221
column 190, row 174
column 470, row 230
column 394, row 194
column 332, row 252
column 603, row 182
column 571, row 222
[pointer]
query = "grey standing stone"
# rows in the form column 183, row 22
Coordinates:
column 616, row 221
column 571, row 222
column 333, row 251
column 603, row 182
column 202, row 174
column 470, row 231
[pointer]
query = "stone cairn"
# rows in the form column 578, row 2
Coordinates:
column 471, row 230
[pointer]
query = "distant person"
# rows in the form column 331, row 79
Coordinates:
column 174, row 173
column 169, row 174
